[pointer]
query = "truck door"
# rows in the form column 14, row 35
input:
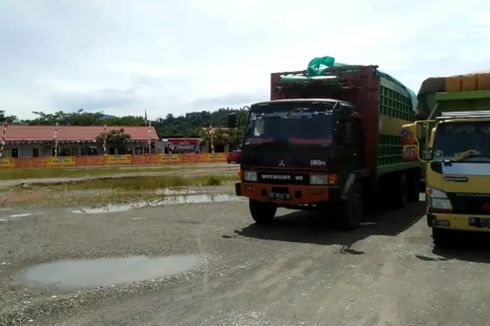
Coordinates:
column 348, row 150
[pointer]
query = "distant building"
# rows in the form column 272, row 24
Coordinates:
column 39, row 141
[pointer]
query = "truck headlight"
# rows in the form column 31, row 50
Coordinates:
column 250, row 176
column 318, row 179
column 438, row 200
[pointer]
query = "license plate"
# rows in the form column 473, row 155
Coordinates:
column 280, row 196
column 480, row 222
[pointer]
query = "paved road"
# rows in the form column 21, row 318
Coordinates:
column 300, row 270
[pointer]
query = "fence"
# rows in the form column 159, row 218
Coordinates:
column 111, row 160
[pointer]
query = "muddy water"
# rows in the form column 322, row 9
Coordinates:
column 170, row 197
column 112, row 208
column 109, row 271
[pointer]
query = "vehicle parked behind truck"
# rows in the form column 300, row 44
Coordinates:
column 453, row 140
column 331, row 140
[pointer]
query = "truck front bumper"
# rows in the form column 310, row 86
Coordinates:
column 288, row 195
column 463, row 222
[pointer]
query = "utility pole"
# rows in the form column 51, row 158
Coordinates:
column 3, row 139
column 149, row 137
column 55, row 136
column 104, row 143
column 212, row 138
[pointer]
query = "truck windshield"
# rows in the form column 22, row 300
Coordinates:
column 301, row 125
column 462, row 141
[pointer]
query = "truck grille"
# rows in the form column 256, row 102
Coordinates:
column 470, row 203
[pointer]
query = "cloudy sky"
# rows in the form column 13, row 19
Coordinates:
column 122, row 57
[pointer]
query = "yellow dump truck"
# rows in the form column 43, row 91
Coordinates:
column 452, row 138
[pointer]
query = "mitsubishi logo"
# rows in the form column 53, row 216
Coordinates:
column 282, row 163
column 486, row 206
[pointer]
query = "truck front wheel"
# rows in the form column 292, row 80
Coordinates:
column 441, row 236
column 262, row 212
column 352, row 209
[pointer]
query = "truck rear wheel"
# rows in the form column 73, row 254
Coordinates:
column 262, row 212
column 400, row 192
column 414, row 186
column 352, row 209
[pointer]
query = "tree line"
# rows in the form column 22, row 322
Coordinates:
column 188, row 125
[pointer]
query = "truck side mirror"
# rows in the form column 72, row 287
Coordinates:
column 419, row 131
column 231, row 120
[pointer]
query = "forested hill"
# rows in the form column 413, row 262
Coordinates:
column 188, row 125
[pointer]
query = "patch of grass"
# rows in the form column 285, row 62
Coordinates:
column 99, row 192
column 136, row 183
column 213, row 181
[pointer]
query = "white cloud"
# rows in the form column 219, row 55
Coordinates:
column 175, row 57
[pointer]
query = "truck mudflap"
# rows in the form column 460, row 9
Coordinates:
column 288, row 195
column 463, row 222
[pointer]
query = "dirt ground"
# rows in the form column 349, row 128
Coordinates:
column 300, row 270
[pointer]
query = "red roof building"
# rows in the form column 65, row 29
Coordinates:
column 33, row 141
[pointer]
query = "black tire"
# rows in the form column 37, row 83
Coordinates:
column 352, row 210
column 262, row 213
column 441, row 237
column 414, row 187
column 400, row 192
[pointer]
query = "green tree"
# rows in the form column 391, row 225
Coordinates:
column 114, row 137
column 128, row 120
column 190, row 124
column 81, row 118
column 7, row 118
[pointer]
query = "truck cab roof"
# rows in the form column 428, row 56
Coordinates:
column 464, row 115
column 302, row 100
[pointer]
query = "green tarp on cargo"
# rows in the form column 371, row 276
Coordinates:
column 317, row 66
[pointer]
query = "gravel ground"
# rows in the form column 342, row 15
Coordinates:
column 300, row 270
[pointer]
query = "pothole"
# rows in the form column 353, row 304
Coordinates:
column 101, row 272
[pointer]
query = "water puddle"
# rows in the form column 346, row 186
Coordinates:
column 20, row 215
column 111, row 208
column 170, row 197
column 13, row 217
column 109, row 271
column 197, row 199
